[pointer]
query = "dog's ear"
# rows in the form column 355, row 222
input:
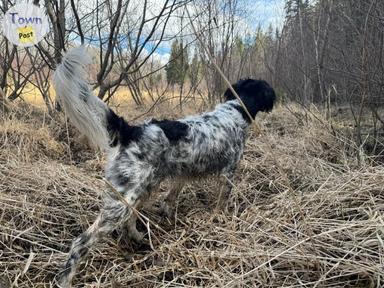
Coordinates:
column 257, row 95
column 238, row 87
column 257, row 92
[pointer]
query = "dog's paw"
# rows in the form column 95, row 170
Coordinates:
column 166, row 210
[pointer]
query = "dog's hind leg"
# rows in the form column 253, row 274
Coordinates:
column 110, row 217
column 113, row 214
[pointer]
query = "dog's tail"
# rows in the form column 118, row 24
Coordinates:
column 87, row 112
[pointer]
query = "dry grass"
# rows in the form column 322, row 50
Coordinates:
column 305, row 215
column 28, row 142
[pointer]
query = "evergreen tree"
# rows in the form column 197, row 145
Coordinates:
column 239, row 45
column 177, row 67
column 194, row 70
column 171, row 67
column 292, row 7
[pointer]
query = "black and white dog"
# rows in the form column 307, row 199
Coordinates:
column 140, row 157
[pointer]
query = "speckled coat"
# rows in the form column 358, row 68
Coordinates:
column 140, row 157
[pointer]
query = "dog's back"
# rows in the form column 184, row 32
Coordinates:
column 140, row 157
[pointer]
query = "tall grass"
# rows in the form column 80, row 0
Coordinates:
column 305, row 213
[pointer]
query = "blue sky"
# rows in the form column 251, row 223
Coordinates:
column 258, row 13
column 265, row 12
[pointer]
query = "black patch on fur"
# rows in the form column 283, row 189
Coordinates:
column 173, row 130
column 83, row 251
column 120, row 132
column 207, row 118
column 84, row 238
column 257, row 95
column 122, row 180
column 139, row 156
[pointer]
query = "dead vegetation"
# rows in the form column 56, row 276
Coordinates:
column 308, row 212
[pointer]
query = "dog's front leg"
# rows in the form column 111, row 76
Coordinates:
column 167, row 206
column 226, row 186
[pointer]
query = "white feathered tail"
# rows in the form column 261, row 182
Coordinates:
column 86, row 111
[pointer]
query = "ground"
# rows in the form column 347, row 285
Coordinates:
column 308, row 211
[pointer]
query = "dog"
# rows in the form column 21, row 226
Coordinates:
column 140, row 157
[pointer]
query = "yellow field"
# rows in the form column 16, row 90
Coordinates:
column 32, row 96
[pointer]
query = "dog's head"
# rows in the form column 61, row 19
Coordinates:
column 257, row 95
